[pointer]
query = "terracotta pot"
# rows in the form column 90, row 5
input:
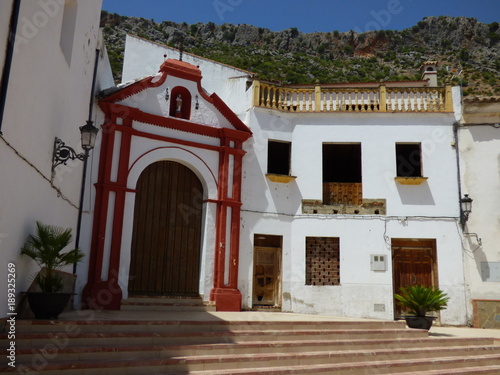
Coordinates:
column 48, row 305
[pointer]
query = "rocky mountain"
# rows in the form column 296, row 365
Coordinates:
column 468, row 51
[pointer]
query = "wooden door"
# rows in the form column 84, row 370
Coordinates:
column 166, row 238
column 267, row 276
column 414, row 263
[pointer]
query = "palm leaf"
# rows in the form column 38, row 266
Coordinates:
column 45, row 248
column 420, row 299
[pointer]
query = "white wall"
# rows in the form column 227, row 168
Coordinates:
column 378, row 135
column 480, row 168
column 424, row 211
column 47, row 97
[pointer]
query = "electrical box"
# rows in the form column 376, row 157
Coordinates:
column 379, row 262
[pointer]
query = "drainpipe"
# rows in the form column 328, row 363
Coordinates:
column 84, row 173
column 9, row 54
column 457, row 152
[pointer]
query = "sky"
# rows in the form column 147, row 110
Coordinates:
column 306, row 15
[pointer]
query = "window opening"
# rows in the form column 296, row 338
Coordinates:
column 278, row 157
column 342, row 162
column 342, row 174
column 68, row 29
column 408, row 160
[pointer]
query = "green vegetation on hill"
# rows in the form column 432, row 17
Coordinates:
column 292, row 57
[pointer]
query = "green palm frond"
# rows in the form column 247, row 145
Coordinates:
column 45, row 248
column 420, row 299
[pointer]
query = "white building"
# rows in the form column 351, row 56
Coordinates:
column 46, row 90
column 344, row 193
column 479, row 140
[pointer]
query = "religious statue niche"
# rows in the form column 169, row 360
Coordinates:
column 180, row 103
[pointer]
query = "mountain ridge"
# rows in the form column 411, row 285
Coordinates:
column 468, row 51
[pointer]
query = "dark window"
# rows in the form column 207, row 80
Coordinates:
column 341, row 162
column 408, row 160
column 278, row 157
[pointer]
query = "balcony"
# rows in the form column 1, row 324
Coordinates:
column 369, row 99
column 344, row 199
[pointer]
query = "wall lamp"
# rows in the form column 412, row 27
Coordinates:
column 465, row 209
column 63, row 153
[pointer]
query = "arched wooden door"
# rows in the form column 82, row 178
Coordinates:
column 166, row 238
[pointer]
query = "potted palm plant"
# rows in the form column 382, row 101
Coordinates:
column 420, row 300
column 45, row 248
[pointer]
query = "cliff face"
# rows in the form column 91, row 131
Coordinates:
column 468, row 50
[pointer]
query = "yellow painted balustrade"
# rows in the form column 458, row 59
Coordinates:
column 342, row 99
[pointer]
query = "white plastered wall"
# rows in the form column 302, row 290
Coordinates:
column 427, row 211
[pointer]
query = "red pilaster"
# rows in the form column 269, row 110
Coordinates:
column 91, row 296
column 227, row 296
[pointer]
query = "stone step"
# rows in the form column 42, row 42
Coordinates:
column 104, row 326
column 217, row 353
column 74, row 338
column 485, row 364
column 167, row 308
column 165, row 299
column 168, row 351
column 82, row 347
column 281, row 365
column 166, row 304
column 483, row 370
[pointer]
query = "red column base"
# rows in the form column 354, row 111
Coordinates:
column 103, row 295
column 227, row 299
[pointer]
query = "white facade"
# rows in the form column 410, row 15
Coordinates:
column 428, row 211
column 48, row 96
column 479, row 140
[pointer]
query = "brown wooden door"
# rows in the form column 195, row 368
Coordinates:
column 267, row 276
column 166, row 238
column 414, row 263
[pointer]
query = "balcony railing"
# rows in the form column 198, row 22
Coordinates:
column 370, row 99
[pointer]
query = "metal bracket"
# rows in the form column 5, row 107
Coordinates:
column 63, row 153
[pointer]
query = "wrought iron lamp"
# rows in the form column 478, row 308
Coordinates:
column 63, row 153
column 465, row 209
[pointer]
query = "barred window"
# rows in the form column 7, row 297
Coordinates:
column 322, row 261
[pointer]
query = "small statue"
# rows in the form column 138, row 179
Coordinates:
column 178, row 102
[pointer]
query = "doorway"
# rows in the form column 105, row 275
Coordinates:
column 166, row 238
column 414, row 263
column 267, row 271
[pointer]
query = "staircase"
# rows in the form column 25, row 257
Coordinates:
column 211, row 347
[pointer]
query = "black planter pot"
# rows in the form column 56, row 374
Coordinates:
column 420, row 322
column 48, row 305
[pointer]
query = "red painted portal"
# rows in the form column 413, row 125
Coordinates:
column 106, row 294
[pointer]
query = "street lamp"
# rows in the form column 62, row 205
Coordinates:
column 465, row 209
column 63, row 153
column 89, row 134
